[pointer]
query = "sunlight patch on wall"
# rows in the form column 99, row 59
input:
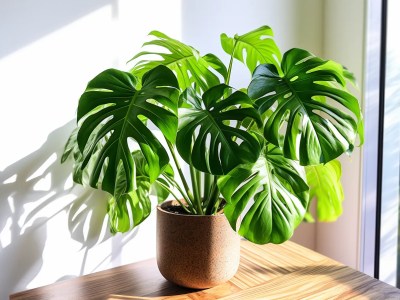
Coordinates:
column 40, row 171
column 5, row 234
column 68, row 183
column 11, row 179
column 49, row 75
column 43, row 184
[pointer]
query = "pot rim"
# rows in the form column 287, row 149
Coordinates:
column 160, row 207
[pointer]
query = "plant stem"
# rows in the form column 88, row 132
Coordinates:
column 196, row 189
column 184, row 196
column 199, row 182
column 181, row 175
column 207, row 185
column 173, row 194
column 228, row 76
column 213, row 197
column 251, row 124
column 208, row 189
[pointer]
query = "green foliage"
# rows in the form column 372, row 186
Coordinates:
column 119, row 121
column 184, row 60
column 307, row 129
column 253, row 48
column 214, row 148
column 136, row 203
column 326, row 189
column 276, row 192
column 248, row 146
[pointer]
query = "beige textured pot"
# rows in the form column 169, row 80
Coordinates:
column 196, row 251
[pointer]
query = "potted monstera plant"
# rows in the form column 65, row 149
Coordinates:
column 242, row 158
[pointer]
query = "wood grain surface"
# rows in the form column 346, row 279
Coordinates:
column 286, row 271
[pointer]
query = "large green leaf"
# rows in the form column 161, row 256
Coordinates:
column 253, row 48
column 276, row 194
column 184, row 60
column 326, row 189
column 308, row 130
column 208, row 139
column 127, row 210
column 120, row 120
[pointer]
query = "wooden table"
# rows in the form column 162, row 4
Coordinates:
column 286, row 271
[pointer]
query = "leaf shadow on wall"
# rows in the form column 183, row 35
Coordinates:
column 33, row 191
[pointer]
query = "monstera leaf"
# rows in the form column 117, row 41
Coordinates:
column 274, row 189
column 326, row 189
column 184, row 60
column 308, row 129
column 253, row 48
column 217, row 145
column 71, row 146
column 127, row 210
column 142, row 173
column 120, row 120
column 216, row 64
column 71, row 149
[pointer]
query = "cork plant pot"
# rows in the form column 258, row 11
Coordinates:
column 196, row 251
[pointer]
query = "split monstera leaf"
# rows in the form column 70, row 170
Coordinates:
column 260, row 152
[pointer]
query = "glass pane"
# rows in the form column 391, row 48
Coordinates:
column 389, row 270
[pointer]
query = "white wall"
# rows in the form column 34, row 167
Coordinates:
column 295, row 24
column 48, row 52
column 49, row 49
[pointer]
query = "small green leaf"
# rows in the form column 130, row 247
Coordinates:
column 72, row 149
column 253, row 48
column 216, row 64
column 71, row 146
column 326, row 189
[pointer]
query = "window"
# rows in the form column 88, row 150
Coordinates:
column 381, row 205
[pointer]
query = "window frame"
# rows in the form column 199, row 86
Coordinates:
column 374, row 83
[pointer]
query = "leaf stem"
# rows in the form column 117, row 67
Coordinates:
column 173, row 194
column 250, row 124
column 207, row 186
column 228, row 76
column 181, row 175
column 213, row 197
column 184, row 196
column 196, row 189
